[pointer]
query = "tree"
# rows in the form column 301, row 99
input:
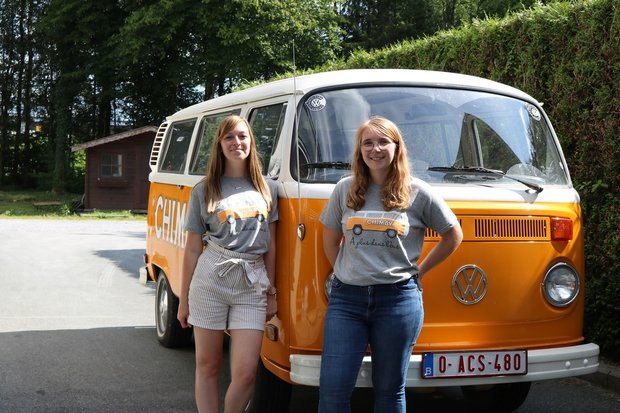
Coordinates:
column 154, row 49
column 25, row 168
column 190, row 46
column 8, row 60
column 79, row 59
column 371, row 24
column 16, row 76
column 261, row 46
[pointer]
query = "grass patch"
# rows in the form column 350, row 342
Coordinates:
column 45, row 204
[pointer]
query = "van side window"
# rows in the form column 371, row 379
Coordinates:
column 202, row 150
column 267, row 124
column 179, row 136
column 326, row 135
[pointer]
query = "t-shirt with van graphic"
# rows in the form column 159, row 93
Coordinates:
column 383, row 247
column 232, row 215
column 390, row 222
column 240, row 220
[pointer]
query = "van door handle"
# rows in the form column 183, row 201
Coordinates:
column 301, row 231
column 179, row 186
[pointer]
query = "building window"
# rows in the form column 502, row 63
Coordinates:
column 112, row 165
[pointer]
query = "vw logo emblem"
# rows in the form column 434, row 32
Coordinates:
column 316, row 103
column 469, row 284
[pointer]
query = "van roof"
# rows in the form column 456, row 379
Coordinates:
column 306, row 83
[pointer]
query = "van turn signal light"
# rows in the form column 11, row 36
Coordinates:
column 561, row 229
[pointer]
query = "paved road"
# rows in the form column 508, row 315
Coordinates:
column 61, row 274
column 77, row 332
column 76, row 325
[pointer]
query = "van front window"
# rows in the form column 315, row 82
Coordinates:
column 452, row 135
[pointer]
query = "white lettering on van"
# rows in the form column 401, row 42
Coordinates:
column 170, row 220
column 380, row 222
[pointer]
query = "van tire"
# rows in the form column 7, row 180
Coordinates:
column 499, row 398
column 169, row 331
column 271, row 394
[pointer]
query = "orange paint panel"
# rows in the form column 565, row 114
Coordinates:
column 513, row 311
column 510, row 243
column 166, row 232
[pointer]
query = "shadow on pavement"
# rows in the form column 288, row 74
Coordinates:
column 95, row 370
column 126, row 370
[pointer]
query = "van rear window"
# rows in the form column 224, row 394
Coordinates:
column 175, row 156
column 202, row 147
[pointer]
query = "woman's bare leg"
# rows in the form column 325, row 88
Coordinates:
column 244, row 353
column 209, row 348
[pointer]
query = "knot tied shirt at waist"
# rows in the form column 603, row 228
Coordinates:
column 252, row 265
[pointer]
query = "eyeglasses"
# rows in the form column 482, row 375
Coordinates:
column 382, row 144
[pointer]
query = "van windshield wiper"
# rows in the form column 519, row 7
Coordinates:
column 486, row 171
column 334, row 165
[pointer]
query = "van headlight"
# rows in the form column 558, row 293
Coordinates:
column 561, row 285
column 328, row 284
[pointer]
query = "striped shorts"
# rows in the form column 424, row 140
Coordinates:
column 220, row 294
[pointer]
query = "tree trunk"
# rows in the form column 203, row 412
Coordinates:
column 19, row 130
column 63, row 99
column 7, row 58
column 26, row 161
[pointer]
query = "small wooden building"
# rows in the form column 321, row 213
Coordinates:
column 117, row 170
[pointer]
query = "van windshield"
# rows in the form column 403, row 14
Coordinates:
column 452, row 135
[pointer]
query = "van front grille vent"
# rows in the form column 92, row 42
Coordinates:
column 432, row 234
column 500, row 229
column 511, row 228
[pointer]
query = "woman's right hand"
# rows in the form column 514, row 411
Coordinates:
column 183, row 314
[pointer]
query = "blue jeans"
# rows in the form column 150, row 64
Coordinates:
column 388, row 318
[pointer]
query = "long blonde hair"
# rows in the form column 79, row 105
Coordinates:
column 215, row 167
column 396, row 193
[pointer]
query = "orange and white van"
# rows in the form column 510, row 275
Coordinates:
column 504, row 310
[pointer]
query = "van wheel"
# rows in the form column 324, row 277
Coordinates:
column 271, row 394
column 499, row 398
column 169, row 331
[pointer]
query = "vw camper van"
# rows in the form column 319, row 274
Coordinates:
column 506, row 309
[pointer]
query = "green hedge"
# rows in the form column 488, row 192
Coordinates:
column 566, row 55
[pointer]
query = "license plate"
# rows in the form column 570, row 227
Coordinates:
column 474, row 363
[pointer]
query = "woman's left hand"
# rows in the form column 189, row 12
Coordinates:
column 272, row 306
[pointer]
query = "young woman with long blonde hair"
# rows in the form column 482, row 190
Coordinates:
column 374, row 225
column 229, row 266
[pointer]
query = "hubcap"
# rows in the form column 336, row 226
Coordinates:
column 163, row 308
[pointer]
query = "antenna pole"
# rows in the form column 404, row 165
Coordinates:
column 301, row 232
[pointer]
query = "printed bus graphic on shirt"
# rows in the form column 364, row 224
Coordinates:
column 231, row 215
column 382, row 221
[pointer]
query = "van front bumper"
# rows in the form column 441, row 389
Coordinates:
column 543, row 364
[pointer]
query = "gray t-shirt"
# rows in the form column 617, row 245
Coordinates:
column 382, row 247
column 240, row 220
